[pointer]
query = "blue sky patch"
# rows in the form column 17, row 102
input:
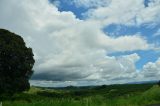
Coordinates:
column 121, row 30
column 146, row 2
column 67, row 6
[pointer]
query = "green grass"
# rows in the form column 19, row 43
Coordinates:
column 117, row 95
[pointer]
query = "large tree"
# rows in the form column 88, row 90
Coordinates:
column 16, row 63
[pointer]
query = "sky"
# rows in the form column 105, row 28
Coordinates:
column 88, row 42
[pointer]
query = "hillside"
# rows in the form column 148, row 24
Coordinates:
column 113, row 95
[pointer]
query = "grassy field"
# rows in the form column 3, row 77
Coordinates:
column 113, row 95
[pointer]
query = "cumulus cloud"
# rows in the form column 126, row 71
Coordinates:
column 67, row 48
column 151, row 70
column 130, row 12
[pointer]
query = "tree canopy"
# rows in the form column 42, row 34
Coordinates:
column 16, row 63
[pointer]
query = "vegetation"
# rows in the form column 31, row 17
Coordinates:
column 16, row 62
column 159, row 82
column 113, row 95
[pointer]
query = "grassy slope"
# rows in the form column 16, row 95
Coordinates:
column 117, row 95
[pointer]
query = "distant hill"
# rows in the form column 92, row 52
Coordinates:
column 144, row 82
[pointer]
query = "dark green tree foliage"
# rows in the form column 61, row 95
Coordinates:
column 159, row 82
column 16, row 63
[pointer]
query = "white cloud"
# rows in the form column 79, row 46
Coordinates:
column 67, row 48
column 151, row 70
column 130, row 12
column 134, row 42
column 121, row 68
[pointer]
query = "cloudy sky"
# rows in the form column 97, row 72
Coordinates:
column 88, row 42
